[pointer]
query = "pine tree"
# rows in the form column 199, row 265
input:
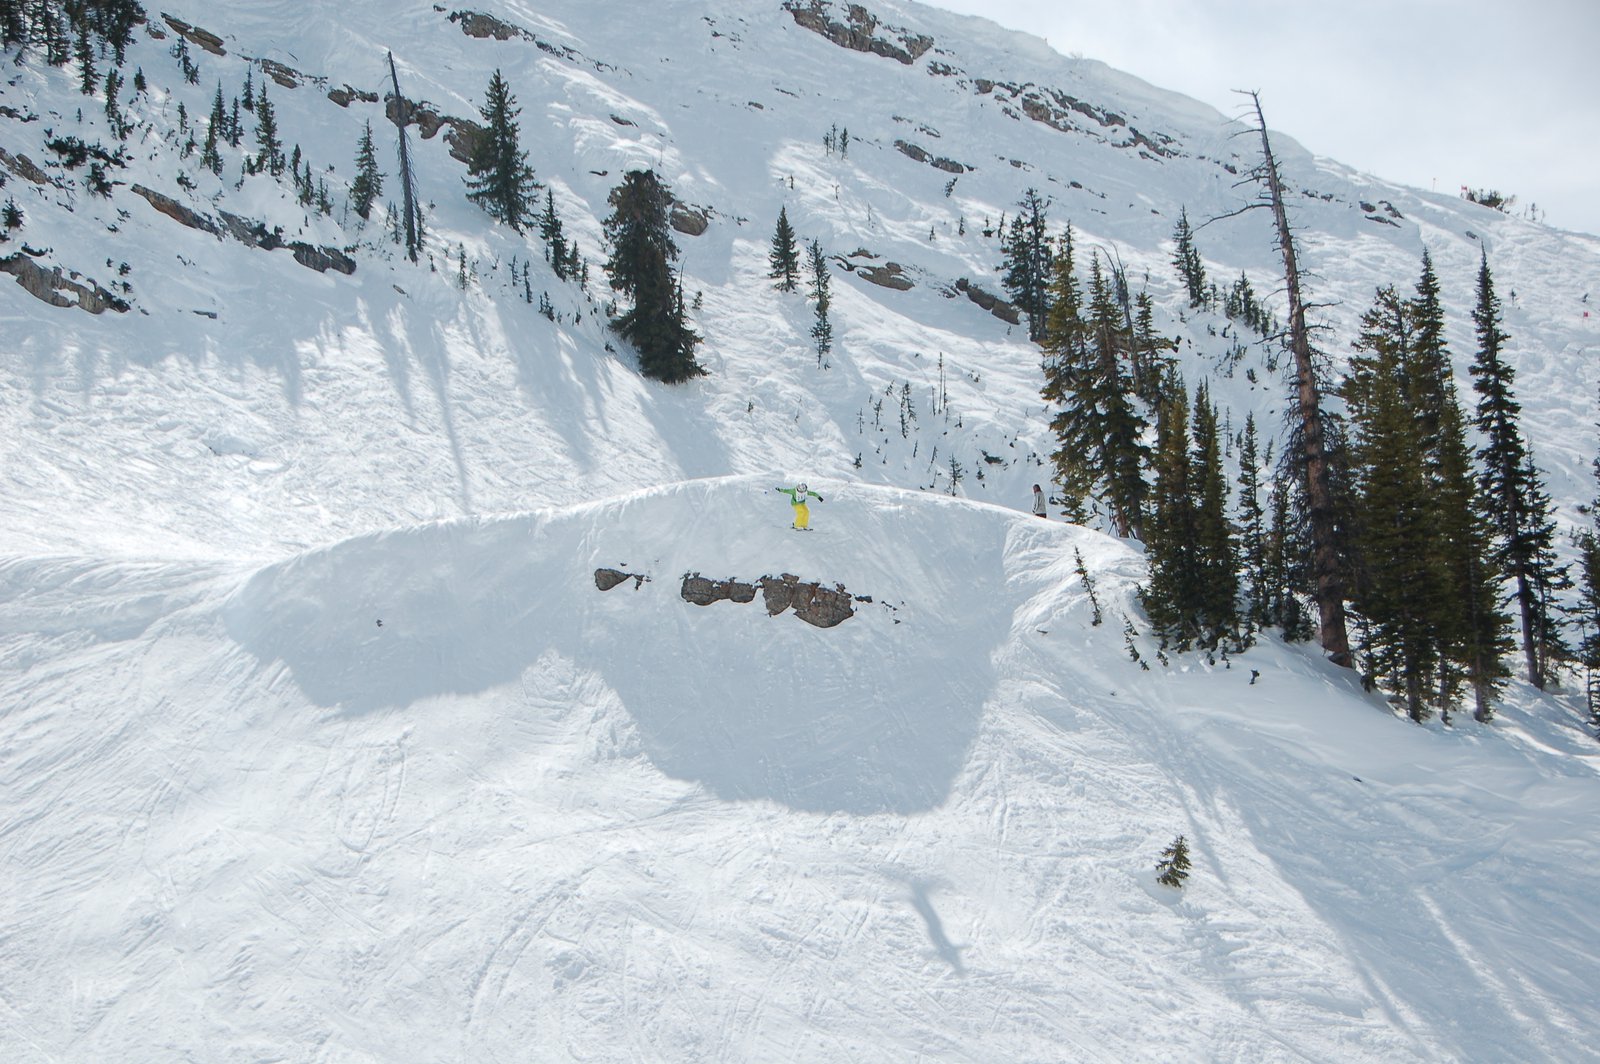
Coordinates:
column 83, row 51
column 1399, row 583
column 1122, row 453
column 1524, row 531
column 1587, row 613
column 499, row 177
column 1216, row 558
column 119, row 128
column 784, row 256
column 1473, row 628
column 50, row 29
column 1065, row 364
column 1170, row 534
column 551, row 231
column 13, row 23
column 269, row 156
column 1187, row 260
column 1150, row 358
column 1026, row 264
column 216, row 125
column 822, row 328
column 640, row 267
column 1174, row 864
column 1253, row 528
column 368, row 184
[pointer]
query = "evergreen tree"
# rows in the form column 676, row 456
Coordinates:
column 822, row 328
column 249, row 90
column 235, row 126
column 640, row 267
column 556, row 251
column 210, row 156
column 83, row 51
column 1523, row 529
column 499, row 177
column 1253, row 528
column 1170, row 534
column 1473, row 628
column 368, row 184
column 13, row 23
column 1122, row 453
column 1066, row 363
column 269, row 155
column 1174, row 864
column 216, row 130
column 1150, row 358
column 119, row 128
column 1587, row 613
column 1398, row 586
column 784, row 256
column 1216, row 558
column 1026, row 266
column 1187, row 260
column 50, row 30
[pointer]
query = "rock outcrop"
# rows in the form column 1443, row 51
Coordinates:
column 60, row 288
column 859, row 31
column 811, row 602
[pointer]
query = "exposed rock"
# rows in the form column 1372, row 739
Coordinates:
column 911, row 151
column 859, row 33
column 482, row 26
column 1006, row 312
column 249, row 233
column 344, row 94
column 606, row 579
column 195, row 35
column 703, row 591
column 889, row 275
column 322, row 259
column 464, row 139
column 477, row 24
column 810, row 601
column 60, row 289
column 286, row 76
column 175, row 210
column 690, row 221
column 402, row 111
column 24, row 168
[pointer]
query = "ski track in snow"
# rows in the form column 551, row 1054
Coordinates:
column 240, row 819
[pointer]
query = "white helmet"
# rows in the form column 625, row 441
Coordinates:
column 802, row 489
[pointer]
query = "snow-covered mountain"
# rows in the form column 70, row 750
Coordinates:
column 321, row 742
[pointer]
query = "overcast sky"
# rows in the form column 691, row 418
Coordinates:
column 1430, row 93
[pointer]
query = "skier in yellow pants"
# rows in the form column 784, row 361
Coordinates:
column 797, row 499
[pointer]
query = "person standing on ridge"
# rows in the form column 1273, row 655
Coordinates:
column 1038, row 502
column 797, row 499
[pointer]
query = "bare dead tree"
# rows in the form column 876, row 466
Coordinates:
column 1328, row 570
column 408, row 181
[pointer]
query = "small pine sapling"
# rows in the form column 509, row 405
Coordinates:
column 1088, row 585
column 1173, row 868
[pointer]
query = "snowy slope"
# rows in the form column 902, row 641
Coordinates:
column 522, row 819
column 527, row 820
column 210, row 435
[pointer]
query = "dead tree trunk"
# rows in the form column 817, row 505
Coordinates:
column 408, row 182
column 1327, row 567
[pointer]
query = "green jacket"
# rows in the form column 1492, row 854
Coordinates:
column 797, row 499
